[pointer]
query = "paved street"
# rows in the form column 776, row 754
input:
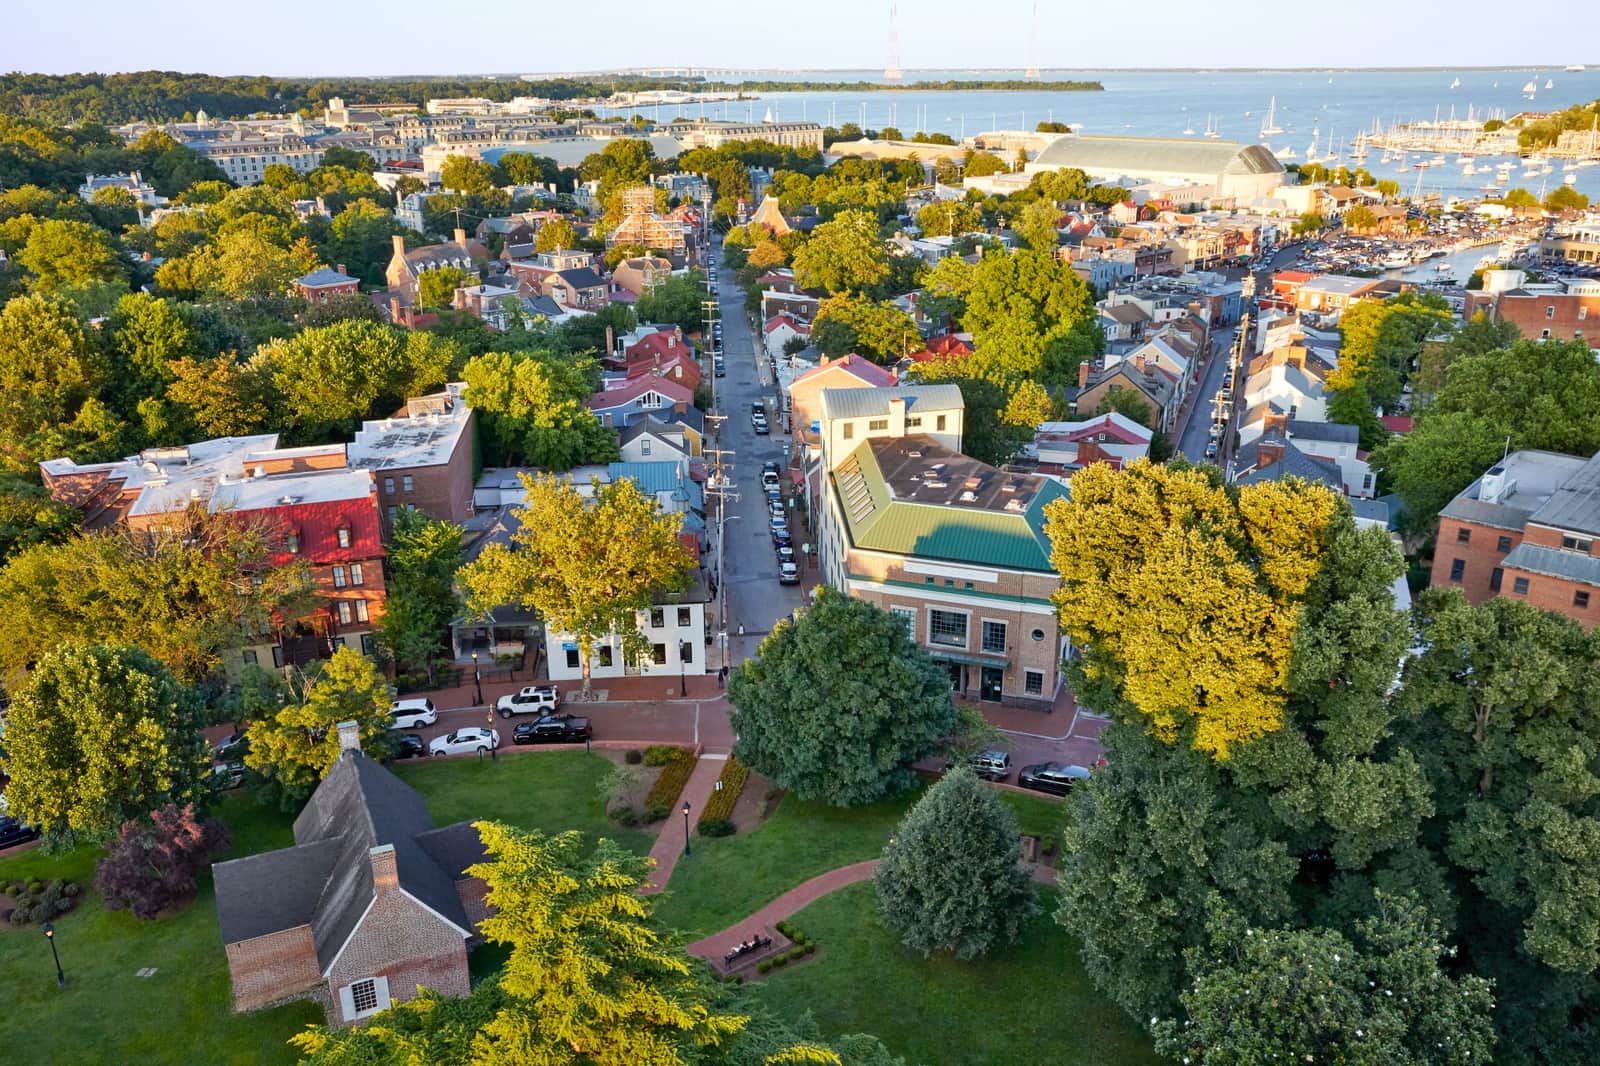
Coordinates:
column 1193, row 441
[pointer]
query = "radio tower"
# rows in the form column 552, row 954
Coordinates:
column 892, row 71
column 1032, row 73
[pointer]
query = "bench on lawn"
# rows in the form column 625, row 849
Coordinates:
column 767, row 943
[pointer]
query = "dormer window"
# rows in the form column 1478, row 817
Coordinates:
column 294, row 542
column 344, row 536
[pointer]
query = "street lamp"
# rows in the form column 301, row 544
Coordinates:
column 686, row 849
column 50, row 935
column 477, row 682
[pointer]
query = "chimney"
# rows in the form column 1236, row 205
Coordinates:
column 340, row 268
column 1268, row 452
column 399, row 244
column 1083, row 374
column 394, row 306
column 611, row 341
column 461, row 236
column 385, row 874
column 349, row 735
column 897, row 416
column 1138, row 361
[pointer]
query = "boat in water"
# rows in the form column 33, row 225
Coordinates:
column 1395, row 261
column 1269, row 125
column 1455, row 84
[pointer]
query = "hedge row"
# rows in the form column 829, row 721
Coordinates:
column 734, row 775
column 674, row 775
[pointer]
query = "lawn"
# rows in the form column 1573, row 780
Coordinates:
column 182, row 1014
column 1030, row 1003
column 727, row 878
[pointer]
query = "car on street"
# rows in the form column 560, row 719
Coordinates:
column 1056, row 778
column 719, row 367
column 226, row 774
column 1211, row 450
column 758, row 422
column 994, row 765
column 788, row 574
column 412, row 714
column 13, row 832
column 534, row 699
column 786, row 555
column 770, row 482
column 553, row 729
column 778, row 523
column 232, row 746
column 775, row 508
column 466, row 741
column 781, row 539
column 409, row 745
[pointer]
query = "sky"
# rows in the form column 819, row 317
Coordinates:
column 394, row 37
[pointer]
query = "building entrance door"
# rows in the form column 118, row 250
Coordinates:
column 989, row 684
column 958, row 677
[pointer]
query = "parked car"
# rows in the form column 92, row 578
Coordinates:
column 412, row 714
column 1211, row 450
column 227, row 774
column 719, row 367
column 788, row 574
column 1056, row 778
column 775, row 509
column 231, row 747
column 465, row 741
column 13, row 832
column 759, row 424
column 553, row 729
column 778, row 523
column 786, row 555
column 781, row 539
column 770, row 482
column 535, row 699
column 410, row 745
column 991, row 765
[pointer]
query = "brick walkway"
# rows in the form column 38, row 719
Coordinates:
column 716, row 946
column 668, row 847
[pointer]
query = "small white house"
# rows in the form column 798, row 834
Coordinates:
column 675, row 643
column 779, row 330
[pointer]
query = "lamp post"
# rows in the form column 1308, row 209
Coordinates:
column 477, row 682
column 686, row 849
column 50, row 935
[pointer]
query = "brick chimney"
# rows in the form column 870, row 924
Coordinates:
column 385, row 874
column 340, row 268
column 1268, row 452
column 349, row 735
column 1083, row 374
column 611, row 341
column 394, row 307
column 399, row 244
column 461, row 236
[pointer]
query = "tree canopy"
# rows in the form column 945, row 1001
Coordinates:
column 530, row 406
column 843, row 255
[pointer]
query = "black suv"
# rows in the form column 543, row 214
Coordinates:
column 13, row 832
column 553, row 729
column 1056, row 778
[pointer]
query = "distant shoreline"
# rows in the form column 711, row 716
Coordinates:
column 969, row 85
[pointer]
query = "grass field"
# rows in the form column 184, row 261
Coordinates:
column 181, row 1015
column 1030, row 1003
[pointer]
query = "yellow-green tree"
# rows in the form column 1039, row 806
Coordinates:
column 587, row 566
column 554, row 236
column 1185, row 593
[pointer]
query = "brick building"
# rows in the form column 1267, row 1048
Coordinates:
column 422, row 458
column 322, row 285
column 371, row 903
column 1527, row 529
column 951, row 545
column 1559, row 316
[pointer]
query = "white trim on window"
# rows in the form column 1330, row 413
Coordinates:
column 373, row 996
column 966, row 628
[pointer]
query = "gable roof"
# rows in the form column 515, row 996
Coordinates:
column 325, row 880
column 1292, row 463
column 649, row 424
column 615, row 393
column 864, row 370
column 868, row 403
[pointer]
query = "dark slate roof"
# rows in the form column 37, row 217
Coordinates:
column 1537, row 559
column 582, row 278
column 1332, row 432
column 358, row 806
column 1293, row 463
column 453, row 848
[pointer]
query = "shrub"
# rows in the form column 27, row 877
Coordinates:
column 624, row 815
column 41, row 913
column 71, row 888
column 781, row 959
column 674, row 775
column 34, row 888
column 810, row 946
column 63, row 905
column 761, row 967
column 634, row 757
column 716, row 827
column 720, row 806
column 24, row 902
column 1048, row 847
column 655, row 811
column 151, row 867
column 662, row 754
column 19, row 917
column 783, row 927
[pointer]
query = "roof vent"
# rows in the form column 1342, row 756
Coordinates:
column 260, row 471
column 1015, row 504
column 287, row 500
column 969, row 497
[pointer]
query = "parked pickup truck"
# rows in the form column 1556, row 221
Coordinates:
column 535, row 699
column 553, row 729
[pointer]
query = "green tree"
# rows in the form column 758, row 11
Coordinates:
column 950, row 879
column 589, row 981
column 462, row 174
column 437, row 288
column 587, row 566
column 1309, row 223
column 844, row 660
column 51, row 379
column 1566, row 198
column 522, row 168
column 100, row 735
column 241, row 265
column 530, row 405
column 361, row 237
column 29, row 516
column 1382, row 340
column 554, row 236
column 1360, row 217
column 843, row 255
column 1128, row 402
column 675, row 300
column 993, row 427
column 1036, row 225
column 331, row 377
column 877, row 330
column 420, row 599
column 61, row 253
column 222, row 397
column 1520, row 198
column 983, row 164
column 1477, row 336
column 949, row 218
column 295, row 747
column 1289, row 995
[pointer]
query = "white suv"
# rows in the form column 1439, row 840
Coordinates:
column 465, row 741
column 535, row 699
column 412, row 714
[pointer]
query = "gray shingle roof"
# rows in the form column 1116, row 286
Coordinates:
column 1293, row 463
column 1538, row 559
column 1332, row 432
column 1575, row 504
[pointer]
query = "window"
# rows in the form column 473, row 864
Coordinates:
column 294, row 542
column 1503, row 544
column 1458, row 569
column 994, row 637
column 1576, row 544
column 686, row 652
column 344, row 536
column 849, row 430
column 1463, row 535
column 344, row 612
column 644, row 445
column 908, row 615
column 938, row 423
column 572, row 659
column 1580, row 599
column 364, row 997
column 914, row 423
column 1033, row 682
column 1544, row 334
column 657, row 618
column 361, row 610
column 1583, row 313
column 947, row 628
column 338, row 577
column 1550, row 311
column 1495, row 579
column 658, row 654
column 407, row 483
column 1520, row 586
column 394, row 512
column 388, row 486
column 251, row 658
column 877, row 425
column 1037, row 634
column 927, row 581
column 604, row 654
column 366, row 644
column 683, row 618
column 356, row 577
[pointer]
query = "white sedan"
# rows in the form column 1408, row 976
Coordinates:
column 465, row 742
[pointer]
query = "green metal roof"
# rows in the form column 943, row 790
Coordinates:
column 950, row 533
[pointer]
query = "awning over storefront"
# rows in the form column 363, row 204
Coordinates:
column 966, row 659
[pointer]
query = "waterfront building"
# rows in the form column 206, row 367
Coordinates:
column 1212, row 169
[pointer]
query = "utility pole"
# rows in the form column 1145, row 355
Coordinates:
column 721, row 488
column 709, row 312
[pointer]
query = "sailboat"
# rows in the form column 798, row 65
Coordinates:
column 1188, row 126
column 1530, row 88
column 1269, row 125
column 1455, row 84
column 1211, row 129
column 1549, row 83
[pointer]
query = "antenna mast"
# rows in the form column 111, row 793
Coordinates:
column 892, row 72
column 1032, row 73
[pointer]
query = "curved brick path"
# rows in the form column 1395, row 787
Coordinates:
column 717, row 945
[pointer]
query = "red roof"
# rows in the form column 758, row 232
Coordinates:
column 318, row 526
column 620, row 393
column 784, row 318
column 680, row 366
column 1397, row 423
column 692, row 543
column 664, row 343
column 857, row 367
column 944, row 346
